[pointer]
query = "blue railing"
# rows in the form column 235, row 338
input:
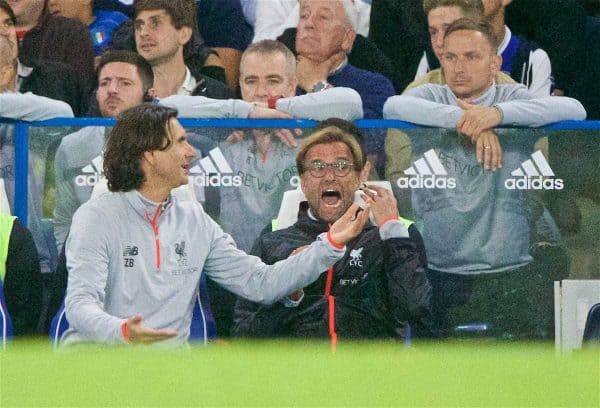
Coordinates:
column 22, row 139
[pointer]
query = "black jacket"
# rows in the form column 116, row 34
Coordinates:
column 378, row 286
column 23, row 282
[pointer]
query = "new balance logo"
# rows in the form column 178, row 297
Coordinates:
column 213, row 170
column 534, row 174
column 93, row 173
column 427, row 172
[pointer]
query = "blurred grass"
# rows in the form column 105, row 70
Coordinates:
column 274, row 373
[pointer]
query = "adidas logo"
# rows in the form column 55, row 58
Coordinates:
column 93, row 173
column 214, row 171
column 534, row 174
column 427, row 172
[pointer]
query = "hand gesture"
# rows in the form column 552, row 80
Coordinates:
column 141, row 334
column 489, row 151
column 382, row 201
column 349, row 225
column 477, row 119
column 235, row 137
column 288, row 136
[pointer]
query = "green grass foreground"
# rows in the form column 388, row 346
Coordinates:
column 271, row 373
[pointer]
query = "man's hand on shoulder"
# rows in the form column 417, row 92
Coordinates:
column 349, row 225
column 477, row 119
column 135, row 332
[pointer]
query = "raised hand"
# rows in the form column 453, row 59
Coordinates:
column 349, row 225
column 382, row 201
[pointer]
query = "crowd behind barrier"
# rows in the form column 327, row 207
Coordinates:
column 35, row 145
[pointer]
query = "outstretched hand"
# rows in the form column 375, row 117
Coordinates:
column 349, row 225
column 139, row 333
column 382, row 201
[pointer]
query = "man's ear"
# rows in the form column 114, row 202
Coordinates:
column 150, row 95
column 348, row 40
column 364, row 173
column 6, row 77
column 185, row 34
column 496, row 64
column 148, row 157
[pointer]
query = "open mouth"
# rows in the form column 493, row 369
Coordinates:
column 331, row 198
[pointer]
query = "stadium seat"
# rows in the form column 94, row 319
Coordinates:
column 202, row 328
column 591, row 333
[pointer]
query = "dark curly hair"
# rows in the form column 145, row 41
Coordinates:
column 139, row 129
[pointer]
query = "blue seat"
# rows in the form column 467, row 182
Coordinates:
column 202, row 327
column 591, row 333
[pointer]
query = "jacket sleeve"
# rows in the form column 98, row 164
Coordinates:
column 339, row 102
column 408, row 287
column 32, row 107
column 88, row 274
column 66, row 202
column 412, row 107
column 247, row 276
column 202, row 107
column 541, row 111
column 23, row 282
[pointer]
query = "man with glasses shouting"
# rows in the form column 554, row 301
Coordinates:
column 376, row 289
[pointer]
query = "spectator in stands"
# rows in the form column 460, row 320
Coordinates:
column 113, row 295
column 20, row 278
column 125, row 80
column 523, row 60
column 45, row 78
column 47, row 37
column 100, row 23
column 398, row 29
column 273, row 18
column 325, row 34
column 477, row 244
column 378, row 286
column 222, row 25
column 162, row 29
column 28, row 107
column 264, row 159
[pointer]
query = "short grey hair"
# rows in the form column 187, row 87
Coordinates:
column 351, row 13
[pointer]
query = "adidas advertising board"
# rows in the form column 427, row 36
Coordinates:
column 214, row 171
column 534, row 174
column 428, row 172
column 92, row 174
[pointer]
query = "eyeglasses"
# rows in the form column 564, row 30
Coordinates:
column 340, row 168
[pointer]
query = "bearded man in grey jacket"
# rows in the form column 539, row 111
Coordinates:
column 135, row 254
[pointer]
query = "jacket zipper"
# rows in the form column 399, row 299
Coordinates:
column 154, row 225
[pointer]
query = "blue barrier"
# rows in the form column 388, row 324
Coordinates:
column 22, row 139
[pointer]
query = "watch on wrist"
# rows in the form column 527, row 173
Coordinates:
column 321, row 86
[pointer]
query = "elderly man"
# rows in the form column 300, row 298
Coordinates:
column 325, row 34
column 478, row 243
column 380, row 284
column 128, row 285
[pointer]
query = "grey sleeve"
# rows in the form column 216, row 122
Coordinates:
column 66, row 202
column 540, row 111
column 339, row 102
column 88, row 265
column 32, row 107
column 421, row 111
column 203, row 107
column 250, row 278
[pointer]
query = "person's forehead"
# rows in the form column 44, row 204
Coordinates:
column 446, row 14
column 264, row 64
column 119, row 69
column 148, row 14
column 329, row 5
column 333, row 149
column 466, row 39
